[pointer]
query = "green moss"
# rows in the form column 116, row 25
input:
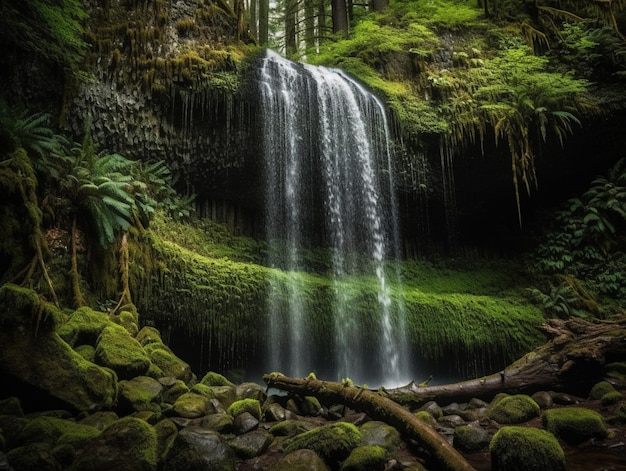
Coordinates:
column 32, row 456
column 117, row 350
column 526, row 449
column 166, row 432
column 619, row 418
column 87, row 352
column 53, row 430
column 83, row 327
column 215, row 379
column 332, row 442
column 252, row 406
column 192, row 405
column 130, row 443
column 426, row 417
column 575, row 424
column 170, row 364
column 616, row 370
column 600, row 389
column 612, row 397
column 203, row 390
column 366, row 458
column 514, row 409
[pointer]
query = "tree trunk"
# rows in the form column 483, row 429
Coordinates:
column 291, row 43
column 340, row 17
column 572, row 360
column 309, row 24
column 379, row 5
column 441, row 455
column 264, row 12
column 254, row 30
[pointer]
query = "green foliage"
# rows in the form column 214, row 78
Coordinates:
column 586, row 240
column 561, row 301
column 52, row 30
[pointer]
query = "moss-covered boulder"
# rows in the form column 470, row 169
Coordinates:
column 600, row 389
column 36, row 456
column 53, row 430
column 251, row 406
column 100, row 420
column 83, row 327
column 250, row 391
column 201, row 449
column 426, row 417
column 300, row 460
column 127, row 320
column 219, row 422
column 140, row 394
column 380, row 434
column 166, row 432
column 612, row 397
column 42, row 359
column 616, row 371
column 11, row 406
column 128, row 444
column 170, row 364
column 575, row 425
column 332, row 442
column 215, row 379
column 290, row 428
column 366, row 458
column 191, row 405
column 514, row 409
column 174, row 391
column 526, row 449
column 117, row 350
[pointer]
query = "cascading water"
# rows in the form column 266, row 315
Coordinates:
column 329, row 183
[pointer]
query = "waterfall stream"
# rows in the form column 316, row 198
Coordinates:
column 329, row 183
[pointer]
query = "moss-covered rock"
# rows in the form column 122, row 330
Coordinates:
column 470, row 438
column 300, row 460
column 83, row 327
column 35, row 456
column 129, row 444
column 100, row 420
column 141, row 393
column 127, row 320
column 290, row 428
column 174, row 391
column 600, row 389
column 616, row 370
column 426, row 417
column 117, row 350
column 170, row 364
column 148, row 335
column 332, row 442
column 251, row 406
column 166, row 432
column 250, row 391
column 612, row 397
column 88, row 352
column 366, row 458
column 575, row 424
column 526, row 449
column 203, row 390
column 44, row 360
column 380, row 434
column 196, row 448
column 52, row 430
column 191, row 405
column 514, row 409
column 11, row 406
column 219, row 422
column 215, row 379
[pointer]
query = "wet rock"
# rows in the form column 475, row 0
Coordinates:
column 224, row 394
column 100, row 420
column 358, row 418
column 275, row 413
column 470, row 438
column 250, row 391
column 433, row 409
column 476, row 403
column 451, row 421
column 166, row 432
column 222, row 423
column 332, row 442
column 245, row 422
column 564, row 399
column 198, row 448
column 290, row 427
column 366, row 458
column 451, row 409
column 543, row 399
column 251, row 444
column 141, row 393
column 252, row 406
column 30, row 457
column 300, row 460
column 173, row 392
column 311, row 406
column 191, row 405
column 380, row 434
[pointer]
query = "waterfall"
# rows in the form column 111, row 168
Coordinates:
column 329, row 183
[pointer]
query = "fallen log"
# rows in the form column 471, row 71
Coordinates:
column 443, row 456
column 571, row 360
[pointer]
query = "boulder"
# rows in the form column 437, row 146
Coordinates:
column 83, row 327
column 251, row 444
column 252, row 406
column 470, row 438
column 53, row 430
column 100, row 420
column 191, row 405
column 166, row 432
column 525, row 449
column 575, row 425
column 600, row 389
column 380, row 434
column 129, row 444
column 366, row 458
column 170, row 364
column 514, row 409
column 117, row 350
column 219, row 422
column 198, row 448
column 42, row 359
column 140, row 394
column 543, row 399
column 245, row 422
column 332, row 442
column 215, row 379
column 300, row 460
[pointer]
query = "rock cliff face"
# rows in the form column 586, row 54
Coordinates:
column 169, row 84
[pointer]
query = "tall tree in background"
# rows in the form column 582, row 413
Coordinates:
column 264, row 19
column 309, row 24
column 340, row 17
column 379, row 5
column 252, row 8
column 291, row 14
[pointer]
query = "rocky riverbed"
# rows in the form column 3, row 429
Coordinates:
column 92, row 391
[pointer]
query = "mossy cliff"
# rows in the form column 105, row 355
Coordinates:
column 206, row 291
